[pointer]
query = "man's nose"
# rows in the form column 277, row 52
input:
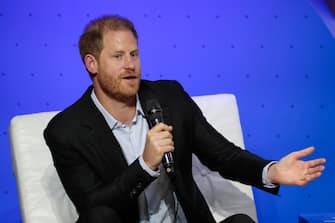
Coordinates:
column 129, row 62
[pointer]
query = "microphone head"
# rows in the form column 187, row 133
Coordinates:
column 154, row 112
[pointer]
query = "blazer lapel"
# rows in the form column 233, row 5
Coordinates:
column 102, row 147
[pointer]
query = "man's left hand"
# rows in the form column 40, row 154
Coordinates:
column 291, row 170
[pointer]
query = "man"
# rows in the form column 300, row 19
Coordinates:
column 109, row 161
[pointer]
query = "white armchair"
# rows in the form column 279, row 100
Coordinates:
column 43, row 199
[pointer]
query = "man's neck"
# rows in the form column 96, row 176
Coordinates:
column 122, row 110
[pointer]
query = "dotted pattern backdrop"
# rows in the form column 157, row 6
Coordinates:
column 276, row 56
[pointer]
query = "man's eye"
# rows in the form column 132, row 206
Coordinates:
column 117, row 56
column 134, row 54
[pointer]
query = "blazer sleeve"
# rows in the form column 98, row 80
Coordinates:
column 218, row 153
column 83, row 181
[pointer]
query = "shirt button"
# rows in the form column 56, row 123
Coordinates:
column 203, row 172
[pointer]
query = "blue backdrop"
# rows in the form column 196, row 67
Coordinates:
column 276, row 56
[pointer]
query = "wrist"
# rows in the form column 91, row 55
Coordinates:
column 152, row 172
column 272, row 173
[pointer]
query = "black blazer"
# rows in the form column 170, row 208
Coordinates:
column 94, row 172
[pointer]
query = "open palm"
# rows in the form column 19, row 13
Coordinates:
column 291, row 170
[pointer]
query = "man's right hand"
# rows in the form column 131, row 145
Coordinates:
column 159, row 141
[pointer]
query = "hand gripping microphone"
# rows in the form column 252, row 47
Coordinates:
column 155, row 116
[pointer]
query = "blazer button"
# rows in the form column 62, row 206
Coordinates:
column 139, row 185
column 132, row 193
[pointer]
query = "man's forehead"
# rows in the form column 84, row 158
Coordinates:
column 120, row 40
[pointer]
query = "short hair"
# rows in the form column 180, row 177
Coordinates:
column 91, row 41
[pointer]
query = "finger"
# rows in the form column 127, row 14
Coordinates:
column 316, row 162
column 304, row 152
column 302, row 182
column 158, row 127
column 159, row 132
column 161, row 127
column 314, row 170
column 166, row 148
column 157, row 137
column 164, row 142
column 165, row 135
column 312, row 177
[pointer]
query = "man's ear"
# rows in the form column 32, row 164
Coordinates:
column 91, row 63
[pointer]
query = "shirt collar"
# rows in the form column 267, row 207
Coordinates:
column 111, row 121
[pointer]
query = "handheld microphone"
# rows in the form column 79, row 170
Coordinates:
column 155, row 116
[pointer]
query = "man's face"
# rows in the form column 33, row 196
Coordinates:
column 118, row 66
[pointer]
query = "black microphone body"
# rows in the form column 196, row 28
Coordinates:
column 155, row 116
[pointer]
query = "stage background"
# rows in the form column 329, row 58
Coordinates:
column 276, row 56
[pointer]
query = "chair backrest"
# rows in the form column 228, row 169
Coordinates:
column 224, row 197
column 43, row 199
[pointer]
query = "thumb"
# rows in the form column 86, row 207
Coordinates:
column 304, row 152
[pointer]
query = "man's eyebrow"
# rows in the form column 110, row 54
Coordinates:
column 122, row 51
column 118, row 51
